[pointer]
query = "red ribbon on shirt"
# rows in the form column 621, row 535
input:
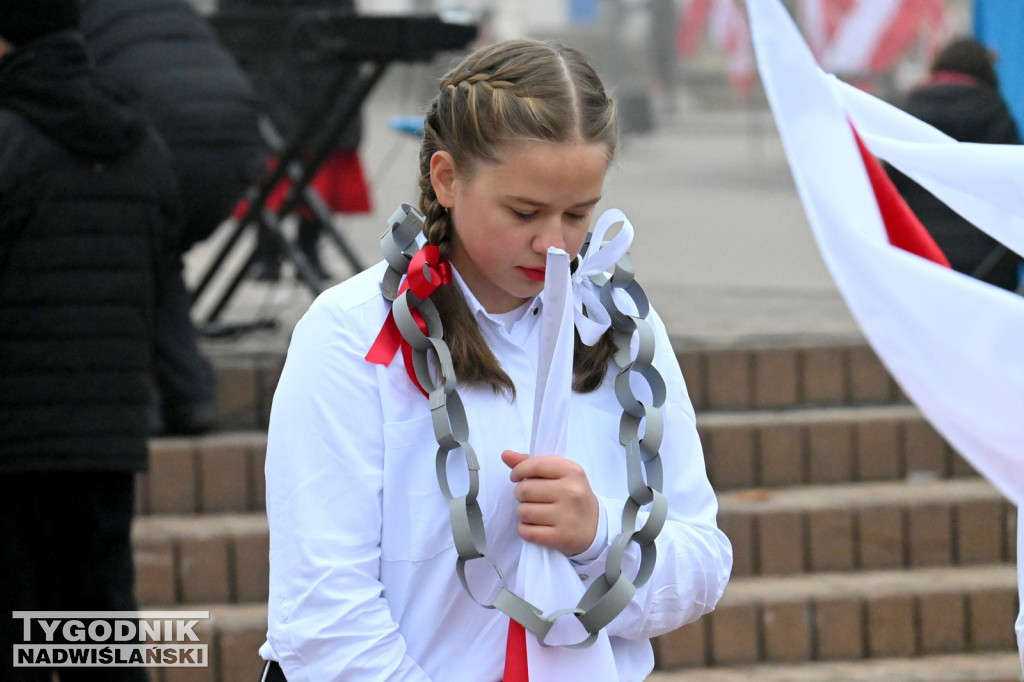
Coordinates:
column 516, row 667
column 426, row 272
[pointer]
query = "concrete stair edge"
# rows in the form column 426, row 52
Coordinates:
column 914, row 581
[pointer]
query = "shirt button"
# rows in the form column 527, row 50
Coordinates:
column 584, row 576
column 287, row 607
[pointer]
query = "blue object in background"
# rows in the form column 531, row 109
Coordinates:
column 583, row 12
column 410, row 125
column 999, row 25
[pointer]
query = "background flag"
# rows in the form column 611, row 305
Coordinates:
column 954, row 344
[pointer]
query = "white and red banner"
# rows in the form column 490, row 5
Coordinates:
column 869, row 37
column 725, row 23
column 861, row 38
column 954, row 344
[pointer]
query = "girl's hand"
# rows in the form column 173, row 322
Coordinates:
column 557, row 507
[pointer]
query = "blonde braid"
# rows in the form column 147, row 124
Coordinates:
column 437, row 225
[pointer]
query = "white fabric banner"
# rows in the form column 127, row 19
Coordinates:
column 954, row 344
column 545, row 577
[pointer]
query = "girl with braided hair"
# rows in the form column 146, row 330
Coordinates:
column 399, row 491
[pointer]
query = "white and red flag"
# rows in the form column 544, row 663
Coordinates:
column 723, row 21
column 868, row 37
column 861, row 38
column 953, row 343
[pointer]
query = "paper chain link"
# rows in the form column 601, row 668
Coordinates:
column 640, row 432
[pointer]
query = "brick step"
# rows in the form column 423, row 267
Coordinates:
column 245, row 388
column 758, row 375
column 774, row 530
column 769, row 448
column 223, row 472
column 868, row 526
column 786, row 373
column 233, row 635
column 987, row 667
column 851, row 616
column 235, row 632
column 190, row 559
column 215, row 473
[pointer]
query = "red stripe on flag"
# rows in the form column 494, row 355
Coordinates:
column 901, row 225
column 914, row 19
column 692, row 24
column 516, row 669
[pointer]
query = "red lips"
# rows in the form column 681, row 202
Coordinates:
column 533, row 274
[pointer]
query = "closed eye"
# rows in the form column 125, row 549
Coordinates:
column 579, row 217
column 525, row 217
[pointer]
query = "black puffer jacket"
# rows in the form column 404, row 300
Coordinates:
column 86, row 201
column 965, row 112
column 190, row 86
column 968, row 113
column 194, row 93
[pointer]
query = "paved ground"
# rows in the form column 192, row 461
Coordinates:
column 723, row 247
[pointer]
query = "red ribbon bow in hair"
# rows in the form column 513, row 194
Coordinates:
column 425, row 274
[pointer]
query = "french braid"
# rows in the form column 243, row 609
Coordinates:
column 513, row 91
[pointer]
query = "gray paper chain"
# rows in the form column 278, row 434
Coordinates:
column 640, row 432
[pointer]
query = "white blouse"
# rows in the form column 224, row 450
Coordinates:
column 362, row 560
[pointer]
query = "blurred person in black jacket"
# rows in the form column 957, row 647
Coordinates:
column 202, row 103
column 88, row 214
column 960, row 97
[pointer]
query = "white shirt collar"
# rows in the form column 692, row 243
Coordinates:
column 478, row 310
